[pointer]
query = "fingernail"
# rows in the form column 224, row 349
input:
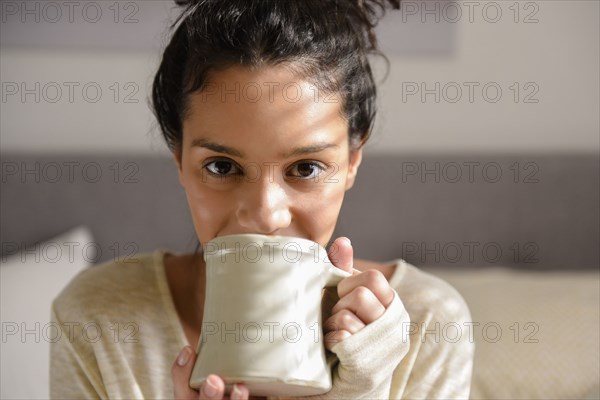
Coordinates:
column 347, row 240
column 184, row 357
column 236, row 393
column 210, row 389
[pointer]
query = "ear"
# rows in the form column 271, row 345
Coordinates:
column 354, row 163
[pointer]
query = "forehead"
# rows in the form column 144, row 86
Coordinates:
column 268, row 100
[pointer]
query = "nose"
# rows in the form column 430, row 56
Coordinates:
column 263, row 206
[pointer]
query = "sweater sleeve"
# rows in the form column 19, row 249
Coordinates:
column 428, row 355
column 72, row 373
column 441, row 358
column 439, row 363
column 368, row 358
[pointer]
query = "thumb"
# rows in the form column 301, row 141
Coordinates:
column 181, row 372
column 341, row 254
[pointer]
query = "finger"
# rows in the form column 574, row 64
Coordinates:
column 363, row 303
column 239, row 392
column 344, row 320
column 373, row 280
column 334, row 337
column 212, row 388
column 341, row 254
column 181, row 372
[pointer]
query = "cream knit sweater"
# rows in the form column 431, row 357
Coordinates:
column 121, row 334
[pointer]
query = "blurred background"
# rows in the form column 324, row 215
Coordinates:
column 483, row 169
column 539, row 61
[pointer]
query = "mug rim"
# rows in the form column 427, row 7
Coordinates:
column 230, row 241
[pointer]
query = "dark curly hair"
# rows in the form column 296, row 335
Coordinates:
column 324, row 41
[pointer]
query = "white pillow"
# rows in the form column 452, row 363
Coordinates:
column 29, row 282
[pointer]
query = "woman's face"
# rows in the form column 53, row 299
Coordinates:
column 264, row 152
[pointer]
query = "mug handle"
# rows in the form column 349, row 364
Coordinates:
column 335, row 275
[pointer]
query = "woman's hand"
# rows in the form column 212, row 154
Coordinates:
column 364, row 327
column 212, row 388
column 363, row 297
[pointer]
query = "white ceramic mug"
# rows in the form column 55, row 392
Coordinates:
column 262, row 323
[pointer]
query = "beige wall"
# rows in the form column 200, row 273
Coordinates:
column 91, row 122
column 557, row 58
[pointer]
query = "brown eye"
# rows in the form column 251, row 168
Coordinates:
column 221, row 168
column 307, row 170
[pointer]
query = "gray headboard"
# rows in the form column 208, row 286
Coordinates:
column 522, row 211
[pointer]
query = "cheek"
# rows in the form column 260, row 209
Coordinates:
column 320, row 212
column 209, row 210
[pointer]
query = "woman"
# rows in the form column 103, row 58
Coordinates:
column 265, row 106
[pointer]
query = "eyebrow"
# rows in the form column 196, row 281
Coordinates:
column 218, row 148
